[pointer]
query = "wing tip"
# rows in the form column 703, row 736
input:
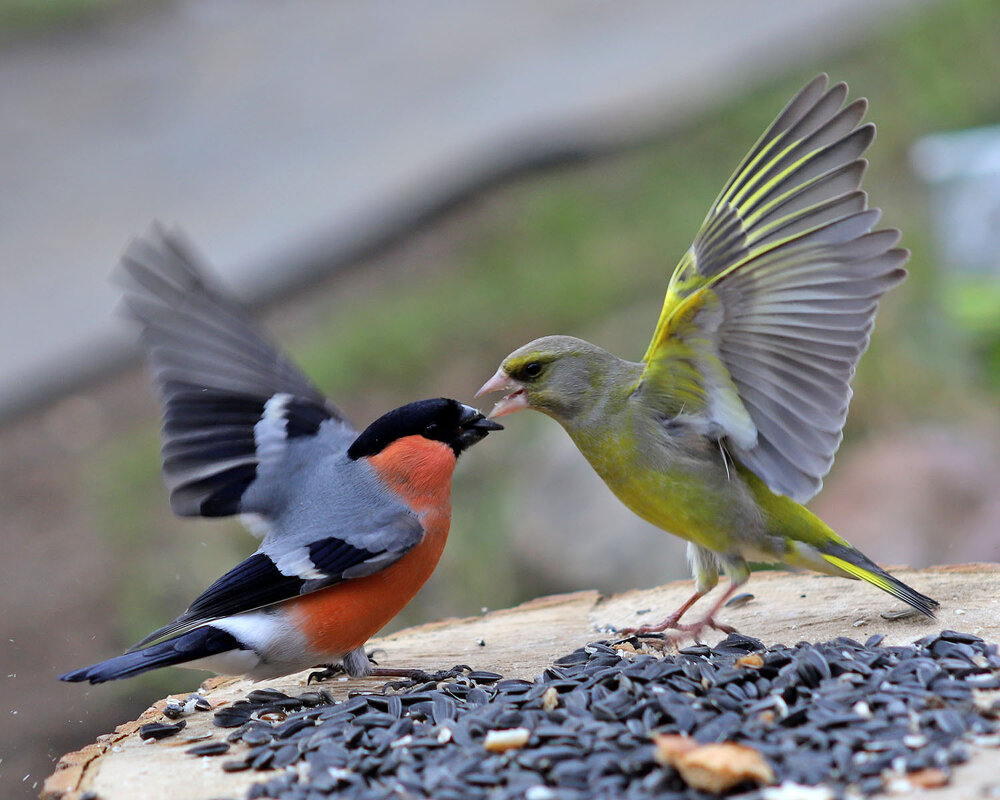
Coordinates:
column 817, row 84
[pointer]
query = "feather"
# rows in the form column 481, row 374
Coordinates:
column 231, row 399
column 788, row 261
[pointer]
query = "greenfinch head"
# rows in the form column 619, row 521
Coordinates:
column 561, row 376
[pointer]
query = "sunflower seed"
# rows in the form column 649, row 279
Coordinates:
column 838, row 713
column 160, row 730
column 209, row 749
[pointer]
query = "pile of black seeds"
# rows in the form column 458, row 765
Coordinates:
column 847, row 715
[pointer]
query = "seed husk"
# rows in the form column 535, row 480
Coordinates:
column 500, row 741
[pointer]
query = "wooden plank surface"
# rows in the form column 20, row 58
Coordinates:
column 522, row 641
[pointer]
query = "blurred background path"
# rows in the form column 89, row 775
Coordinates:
column 371, row 171
column 304, row 134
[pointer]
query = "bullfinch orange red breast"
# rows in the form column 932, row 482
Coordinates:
column 352, row 523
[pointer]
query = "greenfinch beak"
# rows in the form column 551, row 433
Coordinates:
column 515, row 398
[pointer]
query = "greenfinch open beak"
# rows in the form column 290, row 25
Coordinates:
column 515, row 398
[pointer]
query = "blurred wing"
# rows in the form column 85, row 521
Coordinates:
column 264, row 579
column 770, row 309
column 231, row 399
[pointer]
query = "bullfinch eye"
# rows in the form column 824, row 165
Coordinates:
column 533, row 369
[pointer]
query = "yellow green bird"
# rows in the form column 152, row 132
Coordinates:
column 732, row 417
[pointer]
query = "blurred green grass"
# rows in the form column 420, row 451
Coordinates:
column 564, row 250
column 20, row 17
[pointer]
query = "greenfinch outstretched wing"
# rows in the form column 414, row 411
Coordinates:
column 768, row 312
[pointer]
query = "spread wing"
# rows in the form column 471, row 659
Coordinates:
column 264, row 578
column 768, row 312
column 232, row 401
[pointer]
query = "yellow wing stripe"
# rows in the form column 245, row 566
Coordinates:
column 675, row 310
column 777, row 200
column 675, row 306
column 748, row 169
column 740, row 200
column 767, row 186
column 673, row 303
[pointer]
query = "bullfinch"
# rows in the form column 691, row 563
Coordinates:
column 732, row 417
column 352, row 523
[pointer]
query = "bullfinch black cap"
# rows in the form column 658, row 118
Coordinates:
column 441, row 419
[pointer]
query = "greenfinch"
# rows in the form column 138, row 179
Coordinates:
column 732, row 417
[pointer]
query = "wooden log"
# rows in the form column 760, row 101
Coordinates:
column 520, row 642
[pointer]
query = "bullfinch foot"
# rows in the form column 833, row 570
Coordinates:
column 409, row 677
column 325, row 674
column 356, row 664
column 416, row 677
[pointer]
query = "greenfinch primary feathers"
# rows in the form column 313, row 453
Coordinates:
column 732, row 417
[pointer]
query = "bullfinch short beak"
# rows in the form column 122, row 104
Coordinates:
column 475, row 426
column 515, row 399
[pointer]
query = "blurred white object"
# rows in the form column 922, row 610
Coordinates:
column 962, row 171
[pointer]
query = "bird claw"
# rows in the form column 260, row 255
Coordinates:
column 446, row 674
column 408, row 677
column 329, row 671
column 695, row 629
column 683, row 631
column 670, row 623
column 720, row 626
column 415, row 677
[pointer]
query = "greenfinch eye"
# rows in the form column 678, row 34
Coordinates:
column 533, row 369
